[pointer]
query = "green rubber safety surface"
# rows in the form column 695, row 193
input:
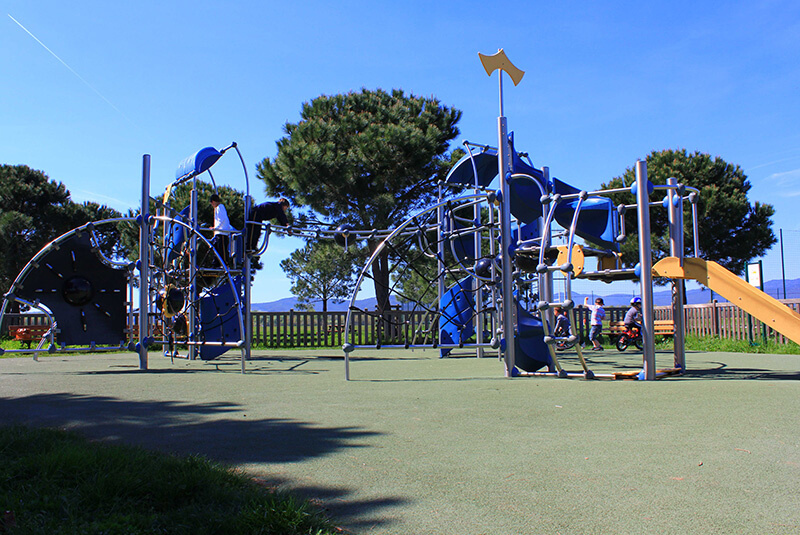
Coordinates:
column 416, row 444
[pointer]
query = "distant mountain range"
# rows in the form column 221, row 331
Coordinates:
column 290, row 303
column 662, row 296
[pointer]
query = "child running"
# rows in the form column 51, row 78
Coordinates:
column 596, row 323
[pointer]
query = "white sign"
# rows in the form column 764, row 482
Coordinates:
column 754, row 274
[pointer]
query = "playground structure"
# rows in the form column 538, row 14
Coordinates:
column 193, row 300
column 86, row 286
column 485, row 264
column 496, row 257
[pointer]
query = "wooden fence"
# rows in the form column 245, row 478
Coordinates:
column 726, row 320
column 315, row 329
column 720, row 320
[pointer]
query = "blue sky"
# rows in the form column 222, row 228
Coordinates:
column 606, row 83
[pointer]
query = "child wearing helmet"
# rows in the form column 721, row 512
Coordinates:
column 562, row 326
column 634, row 314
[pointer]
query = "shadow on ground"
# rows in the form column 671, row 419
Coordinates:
column 629, row 361
column 723, row 371
column 219, row 431
column 338, row 503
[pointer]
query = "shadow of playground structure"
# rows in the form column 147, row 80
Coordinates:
column 219, row 431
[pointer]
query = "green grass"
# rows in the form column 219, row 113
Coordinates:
column 693, row 343
column 711, row 344
column 56, row 482
column 740, row 346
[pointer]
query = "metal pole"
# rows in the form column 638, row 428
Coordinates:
column 505, row 231
column 695, row 225
column 502, row 114
column 144, row 264
column 675, row 211
column 440, row 273
column 646, row 265
column 193, row 290
column 749, row 317
column 546, row 289
column 476, row 287
column 761, row 287
column 248, row 314
column 783, row 269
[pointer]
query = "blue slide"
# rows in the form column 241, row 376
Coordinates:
column 219, row 318
column 597, row 221
column 457, row 306
column 531, row 351
column 456, row 326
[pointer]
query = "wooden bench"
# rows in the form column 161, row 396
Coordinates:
column 660, row 328
column 28, row 333
column 134, row 331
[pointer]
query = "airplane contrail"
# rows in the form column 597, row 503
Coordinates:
column 64, row 63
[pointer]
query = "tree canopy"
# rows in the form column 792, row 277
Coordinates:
column 732, row 231
column 34, row 210
column 321, row 271
column 368, row 159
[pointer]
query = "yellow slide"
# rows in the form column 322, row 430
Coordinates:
column 747, row 297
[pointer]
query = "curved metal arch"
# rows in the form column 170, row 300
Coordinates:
column 227, row 271
column 54, row 243
column 377, row 252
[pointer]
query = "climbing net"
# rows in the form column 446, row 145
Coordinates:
column 438, row 277
column 196, row 289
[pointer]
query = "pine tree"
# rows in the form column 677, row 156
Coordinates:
column 367, row 159
column 732, row 231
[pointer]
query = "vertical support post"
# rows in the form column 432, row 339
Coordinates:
column 440, row 264
column 476, row 286
column 195, row 219
column 493, row 236
column 761, row 287
column 646, row 266
column 504, row 167
column 783, row 265
column 715, row 319
column 248, row 314
column 695, row 225
column 500, row 62
column 144, row 265
column 546, row 279
column 675, row 212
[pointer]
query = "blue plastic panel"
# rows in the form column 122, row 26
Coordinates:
column 597, row 221
column 219, row 318
column 463, row 171
column 457, row 306
column 532, row 353
column 199, row 162
column 525, row 192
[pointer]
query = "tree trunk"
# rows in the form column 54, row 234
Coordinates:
column 380, row 278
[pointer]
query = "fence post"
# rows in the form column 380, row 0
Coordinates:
column 715, row 317
column 291, row 327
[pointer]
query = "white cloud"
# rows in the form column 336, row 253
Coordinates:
column 83, row 195
column 788, row 182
